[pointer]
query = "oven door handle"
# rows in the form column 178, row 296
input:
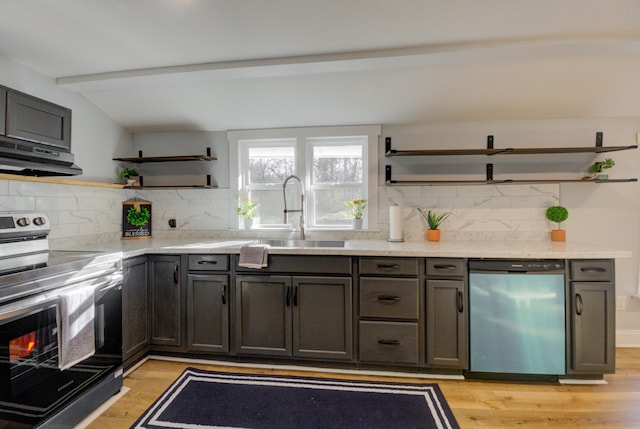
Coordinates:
column 26, row 307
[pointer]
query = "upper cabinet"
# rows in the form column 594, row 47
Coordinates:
column 500, row 165
column 3, row 109
column 33, row 119
column 140, row 159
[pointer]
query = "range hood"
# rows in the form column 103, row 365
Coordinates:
column 34, row 159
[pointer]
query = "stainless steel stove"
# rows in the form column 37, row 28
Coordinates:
column 34, row 391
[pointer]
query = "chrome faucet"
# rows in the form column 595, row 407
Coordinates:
column 301, row 210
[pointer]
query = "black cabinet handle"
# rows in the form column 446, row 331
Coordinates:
column 388, row 298
column 445, row 267
column 176, row 273
column 389, row 342
column 224, row 294
column 460, row 302
column 295, row 296
column 388, row 266
column 201, row 262
column 287, row 296
column 579, row 306
column 593, row 270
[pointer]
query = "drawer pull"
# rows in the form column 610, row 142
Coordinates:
column 593, row 270
column 388, row 266
column 388, row 298
column 201, row 262
column 389, row 342
column 445, row 267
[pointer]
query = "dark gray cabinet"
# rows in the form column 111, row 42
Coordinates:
column 592, row 317
column 447, row 314
column 208, row 313
column 37, row 120
column 135, row 318
column 391, row 315
column 208, row 303
column 3, row 110
column 299, row 316
column 165, row 300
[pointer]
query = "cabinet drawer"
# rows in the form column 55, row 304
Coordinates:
column 389, row 266
column 445, row 267
column 208, row 263
column 389, row 342
column 592, row 270
column 389, row 298
column 302, row 264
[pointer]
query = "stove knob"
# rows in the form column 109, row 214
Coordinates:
column 39, row 221
column 23, row 221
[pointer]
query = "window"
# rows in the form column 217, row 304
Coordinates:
column 334, row 164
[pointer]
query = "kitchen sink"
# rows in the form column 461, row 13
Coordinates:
column 302, row 243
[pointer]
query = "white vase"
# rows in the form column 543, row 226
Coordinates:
column 356, row 223
column 247, row 223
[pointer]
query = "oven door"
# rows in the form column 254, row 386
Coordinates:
column 32, row 387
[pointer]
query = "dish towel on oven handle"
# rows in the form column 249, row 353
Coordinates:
column 76, row 335
column 254, row 256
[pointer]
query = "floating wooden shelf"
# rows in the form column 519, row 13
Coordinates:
column 172, row 187
column 491, row 151
column 141, row 159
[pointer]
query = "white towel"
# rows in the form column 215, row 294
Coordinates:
column 254, row 256
column 76, row 335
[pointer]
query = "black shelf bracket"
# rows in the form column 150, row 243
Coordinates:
column 387, row 146
column 489, row 172
column 489, row 142
column 387, row 174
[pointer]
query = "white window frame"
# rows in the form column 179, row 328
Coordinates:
column 304, row 157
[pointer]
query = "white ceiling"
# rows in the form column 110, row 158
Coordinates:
column 235, row 64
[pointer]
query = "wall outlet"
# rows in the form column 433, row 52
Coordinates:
column 621, row 303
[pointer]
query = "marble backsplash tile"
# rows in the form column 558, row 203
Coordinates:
column 486, row 212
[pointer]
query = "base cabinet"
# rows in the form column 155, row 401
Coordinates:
column 591, row 310
column 135, row 319
column 208, row 313
column 447, row 313
column 294, row 316
column 166, row 300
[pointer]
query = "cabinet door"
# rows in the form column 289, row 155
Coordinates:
column 3, row 110
column 263, row 317
column 208, row 313
column 165, row 300
column 447, row 332
column 33, row 119
column 135, row 317
column 593, row 327
column 322, row 317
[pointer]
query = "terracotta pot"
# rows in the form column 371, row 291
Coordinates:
column 433, row 234
column 558, row 235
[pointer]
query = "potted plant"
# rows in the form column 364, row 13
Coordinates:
column 598, row 166
column 433, row 220
column 127, row 174
column 247, row 210
column 558, row 214
column 356, row 208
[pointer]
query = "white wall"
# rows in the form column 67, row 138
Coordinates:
column 95, row 138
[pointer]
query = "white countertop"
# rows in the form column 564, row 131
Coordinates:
column 459, row 249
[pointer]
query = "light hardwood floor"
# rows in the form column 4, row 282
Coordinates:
column 476, row 404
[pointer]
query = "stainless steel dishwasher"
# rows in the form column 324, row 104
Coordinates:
column 517, row 317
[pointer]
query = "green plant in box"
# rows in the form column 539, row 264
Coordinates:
column 138, row 218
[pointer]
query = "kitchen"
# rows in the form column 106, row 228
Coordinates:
column 532, row 100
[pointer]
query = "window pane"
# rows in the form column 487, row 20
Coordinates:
column 337, row 164
column 330, row 208
column 270, row 164
column 270, row 205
